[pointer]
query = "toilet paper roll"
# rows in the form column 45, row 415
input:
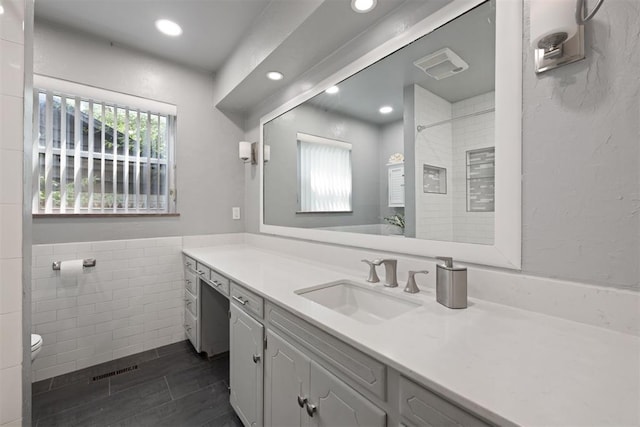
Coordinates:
column 71, row 269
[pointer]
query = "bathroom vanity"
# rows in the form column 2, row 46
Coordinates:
column 297, row 361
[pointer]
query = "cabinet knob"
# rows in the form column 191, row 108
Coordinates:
column 188, row 281
column 201, row 273
column 188, row 264
column 311, row 409
column 215, row 282
column 256, row 358
column 302, row 401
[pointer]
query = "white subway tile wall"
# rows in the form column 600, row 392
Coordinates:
column 445, row 216
column 11, row 154
column 471, row 133
column 434, row 212
column 131, row 301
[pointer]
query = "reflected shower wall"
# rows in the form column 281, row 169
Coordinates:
column 452, row 203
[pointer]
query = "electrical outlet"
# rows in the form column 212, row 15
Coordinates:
column 235, row 213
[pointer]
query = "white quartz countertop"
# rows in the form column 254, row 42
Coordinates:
column 508, row 365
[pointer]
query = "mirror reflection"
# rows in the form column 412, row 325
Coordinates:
column 405, row 147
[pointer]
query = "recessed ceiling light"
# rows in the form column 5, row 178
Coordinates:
column 363, row 6
column 169, row 28
column 275, row 75
column 385, row 110
column 332, row 90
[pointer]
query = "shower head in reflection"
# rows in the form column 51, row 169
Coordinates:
column 420, row 128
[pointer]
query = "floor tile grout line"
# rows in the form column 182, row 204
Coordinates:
column 168, row 388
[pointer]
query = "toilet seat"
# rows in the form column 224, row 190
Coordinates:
column 36, row 345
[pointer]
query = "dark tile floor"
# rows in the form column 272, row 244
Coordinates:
column 172, row 386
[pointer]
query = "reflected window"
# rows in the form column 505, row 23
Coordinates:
column 324, row 174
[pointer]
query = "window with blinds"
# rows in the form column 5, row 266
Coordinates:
column 324, row 174
column 99, row 156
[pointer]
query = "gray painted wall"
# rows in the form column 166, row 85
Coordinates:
column 581, row 157
column 281, row 182
column 210, row 178
column 391, row 142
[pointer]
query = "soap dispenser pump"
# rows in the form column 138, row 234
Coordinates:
column 451, row 284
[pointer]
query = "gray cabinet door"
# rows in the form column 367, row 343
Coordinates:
column 245, row 366
column 337, row 404
column 286, row 380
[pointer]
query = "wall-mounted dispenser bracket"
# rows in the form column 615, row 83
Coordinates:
column 254, row 153
column 565, row 53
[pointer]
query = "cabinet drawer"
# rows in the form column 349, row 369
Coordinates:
column 247, row 299
column 191, row 329
column 189, row 263
column 191, row 303
column 191, row 282
column 220, row 282
column 422, row 407
column 202, row 270
column 363, row 370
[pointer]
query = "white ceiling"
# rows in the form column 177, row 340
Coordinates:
column 214, row 28
column 472, row 36
column 211, row 28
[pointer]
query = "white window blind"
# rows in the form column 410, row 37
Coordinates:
column 324, row 174
column 96, row 156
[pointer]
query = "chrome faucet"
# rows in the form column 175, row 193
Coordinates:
column 390, row 271
column 412, row 286
column 373, row 276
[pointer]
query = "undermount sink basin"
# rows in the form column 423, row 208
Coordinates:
column 360, row 302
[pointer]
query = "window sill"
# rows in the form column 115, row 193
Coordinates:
column 107, row 215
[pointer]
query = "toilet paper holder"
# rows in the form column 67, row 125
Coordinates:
column 87, row 262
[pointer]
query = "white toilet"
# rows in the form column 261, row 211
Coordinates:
column 36, row 345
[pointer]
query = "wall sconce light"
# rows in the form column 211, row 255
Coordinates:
column 248, row 152
column 557, row 31
column 266, row 153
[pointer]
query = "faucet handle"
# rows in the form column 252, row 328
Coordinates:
column 448, row 261
column 412, row 286
column 373, row 276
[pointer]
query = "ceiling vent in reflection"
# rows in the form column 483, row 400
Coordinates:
column 441, row 64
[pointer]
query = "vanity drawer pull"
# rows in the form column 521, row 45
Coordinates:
column 251, row 302
column 200, row 272
column 311, row 408
column 215, row 282
column 256, row 358
column 188, row 264
column 302, row 401
column 240, row 300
